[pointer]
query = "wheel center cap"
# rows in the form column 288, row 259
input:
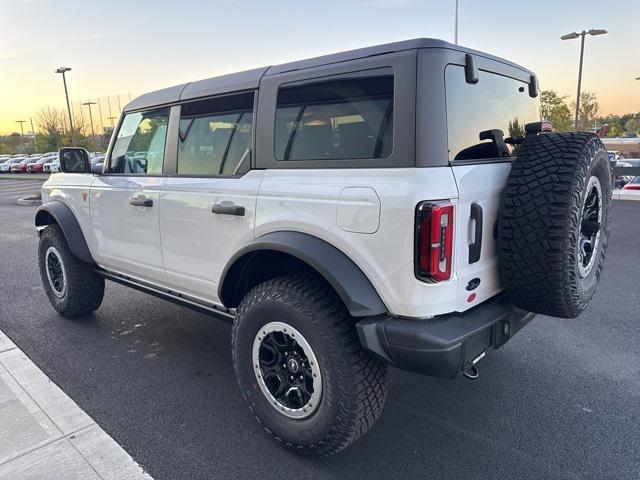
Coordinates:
column 292, row 365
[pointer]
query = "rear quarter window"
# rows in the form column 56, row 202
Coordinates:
column 481, row 115
column 335, row 120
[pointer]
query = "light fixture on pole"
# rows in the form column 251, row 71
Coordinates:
column 112, row 119
column 63, row 70
column 571, row 36
column 93, row 134
column 21, row 122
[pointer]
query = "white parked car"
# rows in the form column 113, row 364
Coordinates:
column 5, row 167
column 347, row 212
column 53, row 166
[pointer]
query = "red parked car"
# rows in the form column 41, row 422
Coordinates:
column 634, row 184
column 37, row 166
column 21, row 167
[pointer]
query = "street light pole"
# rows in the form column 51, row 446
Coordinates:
column 571, row 36
column 62, row 70
column 455, row 29
column 35, row 145
column 21, row 122
column 93, row 133
column 575, row 119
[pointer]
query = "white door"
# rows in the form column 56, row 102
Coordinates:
column 207, row 210
column 197, row 237
column 125, row 201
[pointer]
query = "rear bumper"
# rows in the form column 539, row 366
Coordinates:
column 443, row 346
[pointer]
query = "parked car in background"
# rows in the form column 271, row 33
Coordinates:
column 37, row 166
column 52, row 167
column 97, row 158
column 620, row 181
column 634, row 184
column 21, row 166
column 97, row 163
column 6, row 166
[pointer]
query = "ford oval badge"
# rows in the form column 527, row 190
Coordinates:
column 473, row 284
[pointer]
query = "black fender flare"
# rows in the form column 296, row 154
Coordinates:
column 350, row 283
column 58, row 212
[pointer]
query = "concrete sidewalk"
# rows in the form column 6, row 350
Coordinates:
column 45, row 435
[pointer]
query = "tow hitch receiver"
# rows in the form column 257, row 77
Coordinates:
column 471, row 372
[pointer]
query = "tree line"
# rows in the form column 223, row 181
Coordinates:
column 555, row 108
column 52, row 132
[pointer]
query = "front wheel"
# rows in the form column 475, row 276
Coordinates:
column 301, row 368
column 73, row 288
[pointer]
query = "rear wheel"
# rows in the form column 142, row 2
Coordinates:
column 301, row 368
column 73, row 288
column 554, row 223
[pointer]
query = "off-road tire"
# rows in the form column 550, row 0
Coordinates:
column 354, row 384
column 539, row 226
column 84, row 288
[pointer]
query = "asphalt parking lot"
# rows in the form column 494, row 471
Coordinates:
column 561, row 400
column 11, row 190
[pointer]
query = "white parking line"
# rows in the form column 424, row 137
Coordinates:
column 25, row 190
column 34, row 187
column 17, row 184
column 25, row 193
column 44, row 434
column 20, row 188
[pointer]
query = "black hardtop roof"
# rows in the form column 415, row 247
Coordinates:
column 250, row 79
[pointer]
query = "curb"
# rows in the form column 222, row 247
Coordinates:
column 626, row 195
column 30, row 201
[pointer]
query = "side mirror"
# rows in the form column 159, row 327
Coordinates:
column 74, row 160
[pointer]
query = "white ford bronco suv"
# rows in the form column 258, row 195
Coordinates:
column 395, row 205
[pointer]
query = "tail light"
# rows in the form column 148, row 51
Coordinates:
column 434, row 241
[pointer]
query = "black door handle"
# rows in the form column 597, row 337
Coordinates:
column 141, row 201
column 476, row 247
column 228, row 209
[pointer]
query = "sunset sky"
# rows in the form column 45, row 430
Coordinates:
column 132, row 47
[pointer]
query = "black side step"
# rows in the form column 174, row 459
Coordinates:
column 169, row 295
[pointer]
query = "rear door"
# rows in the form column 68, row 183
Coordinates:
column 480, row 117
column 125, row 201
column 208, row 205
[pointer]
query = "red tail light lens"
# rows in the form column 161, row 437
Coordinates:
column 434, row 241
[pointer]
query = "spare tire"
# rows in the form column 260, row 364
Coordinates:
column 553, row 226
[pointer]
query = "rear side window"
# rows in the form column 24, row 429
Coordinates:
column 481, row 115
column 335, row 120
column 139, row 145
column 215, row 136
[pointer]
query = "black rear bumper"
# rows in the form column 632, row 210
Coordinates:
column 443, row 346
